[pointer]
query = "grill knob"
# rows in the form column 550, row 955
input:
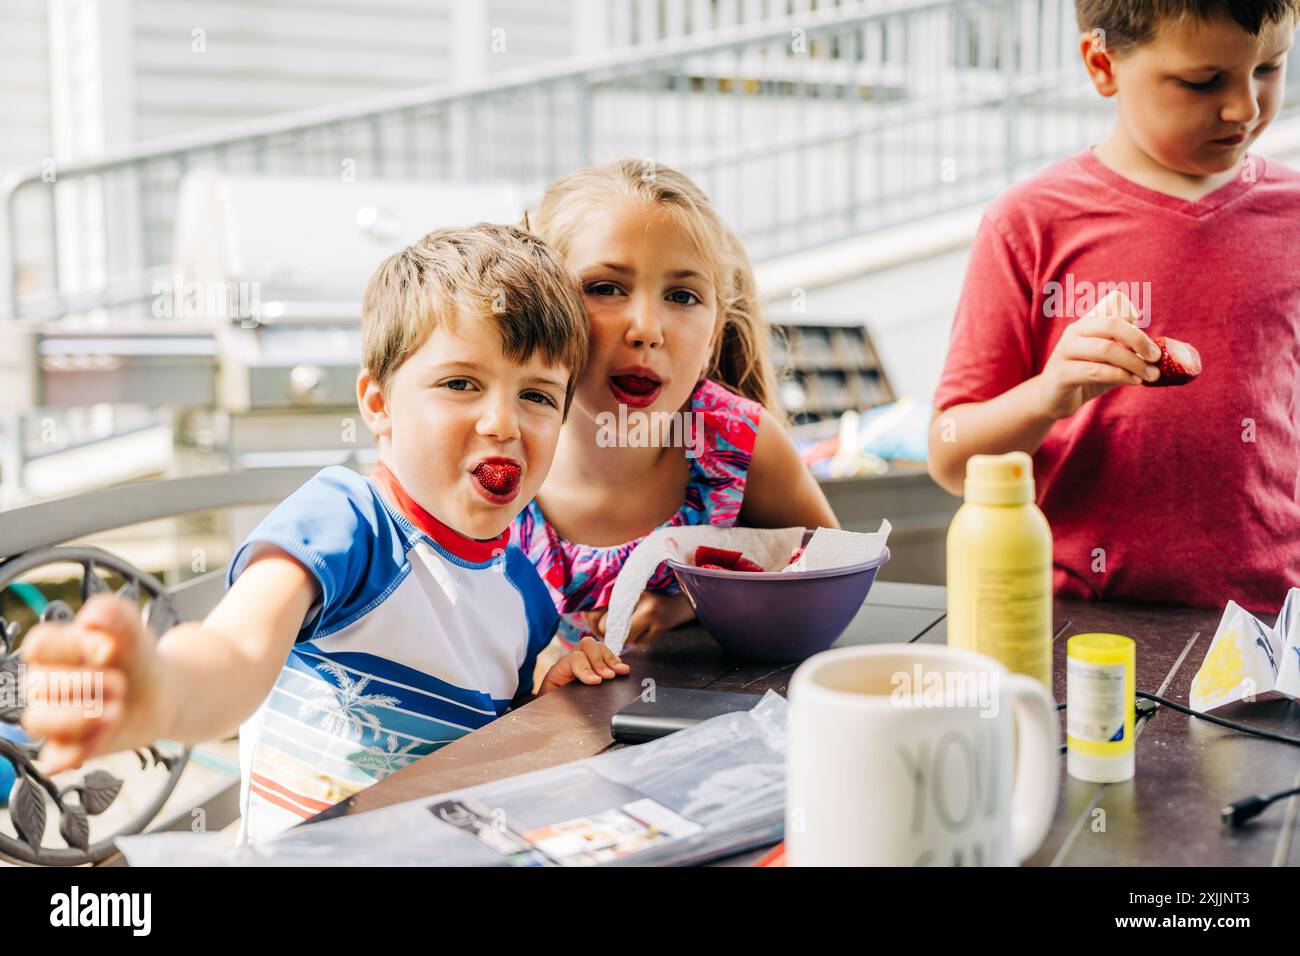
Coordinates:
column 307, row 384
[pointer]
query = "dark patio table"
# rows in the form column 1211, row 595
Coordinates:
column 1187, row 769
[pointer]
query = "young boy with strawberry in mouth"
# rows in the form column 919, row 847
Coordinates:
column 1187, row 495
column 370, row 621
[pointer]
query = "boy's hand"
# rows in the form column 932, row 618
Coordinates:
column 654, row 613
column 590, row 663
column 1097, row 353
column 94, row 685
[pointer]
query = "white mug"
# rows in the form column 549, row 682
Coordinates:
column 918, row 755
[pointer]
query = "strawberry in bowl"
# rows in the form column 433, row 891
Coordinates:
column 772, row 616
column 722, row 559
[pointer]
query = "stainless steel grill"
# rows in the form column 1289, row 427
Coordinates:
column 258, row 319
column 278, row 265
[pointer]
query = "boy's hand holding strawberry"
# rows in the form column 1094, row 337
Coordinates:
column 1106, row 349
column 1101, row 351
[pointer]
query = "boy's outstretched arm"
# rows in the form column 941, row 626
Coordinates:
column 1099, row 352
column 197, row 682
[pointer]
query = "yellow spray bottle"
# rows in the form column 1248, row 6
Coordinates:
column 1000, row 567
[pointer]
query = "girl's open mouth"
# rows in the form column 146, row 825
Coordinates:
column 498, row 479
column 634, row 389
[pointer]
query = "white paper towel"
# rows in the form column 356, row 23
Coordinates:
column 770, row 548
column 833, row 548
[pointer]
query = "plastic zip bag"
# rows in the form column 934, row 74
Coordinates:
column 712, row 790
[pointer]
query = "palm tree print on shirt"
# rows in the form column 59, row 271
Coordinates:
column 388, row 760
column 345, row 710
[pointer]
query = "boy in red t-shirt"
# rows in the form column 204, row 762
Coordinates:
column 1180, row 495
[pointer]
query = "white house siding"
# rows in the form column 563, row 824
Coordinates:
column 202, row 64
column 25, row 133
column 123, row 72
column 24, row 82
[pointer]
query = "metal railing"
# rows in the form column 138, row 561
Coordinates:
column 803, row 130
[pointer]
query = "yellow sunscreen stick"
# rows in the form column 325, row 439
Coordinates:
column 1099, row 718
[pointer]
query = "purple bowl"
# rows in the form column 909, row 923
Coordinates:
column 775, row 617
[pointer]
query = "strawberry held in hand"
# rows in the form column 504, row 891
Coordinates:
column 1179, row 362
column 721, row 559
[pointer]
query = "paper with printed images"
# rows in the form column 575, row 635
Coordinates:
column 587, row 840
column 1247, row 658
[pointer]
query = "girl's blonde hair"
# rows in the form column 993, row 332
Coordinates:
column 741, row 357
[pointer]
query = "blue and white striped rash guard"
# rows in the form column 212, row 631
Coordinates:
column 419, row 635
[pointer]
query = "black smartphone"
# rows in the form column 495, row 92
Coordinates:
column 672, row 709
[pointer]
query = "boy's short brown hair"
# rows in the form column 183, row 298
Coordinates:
column 1127, row 24
column 498, row 272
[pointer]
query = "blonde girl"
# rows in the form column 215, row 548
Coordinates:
column 675, row 419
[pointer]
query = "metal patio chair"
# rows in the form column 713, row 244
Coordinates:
column 32, row 537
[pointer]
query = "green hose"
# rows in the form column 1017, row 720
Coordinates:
column 30, row 595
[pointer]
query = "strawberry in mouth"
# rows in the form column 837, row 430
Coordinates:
column 498, row 477
column 635, row 387
column 1179, row 362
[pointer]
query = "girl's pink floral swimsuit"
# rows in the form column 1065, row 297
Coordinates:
column 580, row 577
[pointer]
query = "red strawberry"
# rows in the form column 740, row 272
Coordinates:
column 498, row 477
column 1179, row 362
column 720, row 559
column 705, row 555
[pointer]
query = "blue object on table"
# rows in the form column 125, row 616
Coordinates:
column 7, row 773
column 907, row 438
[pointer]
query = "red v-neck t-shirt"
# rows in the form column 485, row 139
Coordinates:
column 1178, row 495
